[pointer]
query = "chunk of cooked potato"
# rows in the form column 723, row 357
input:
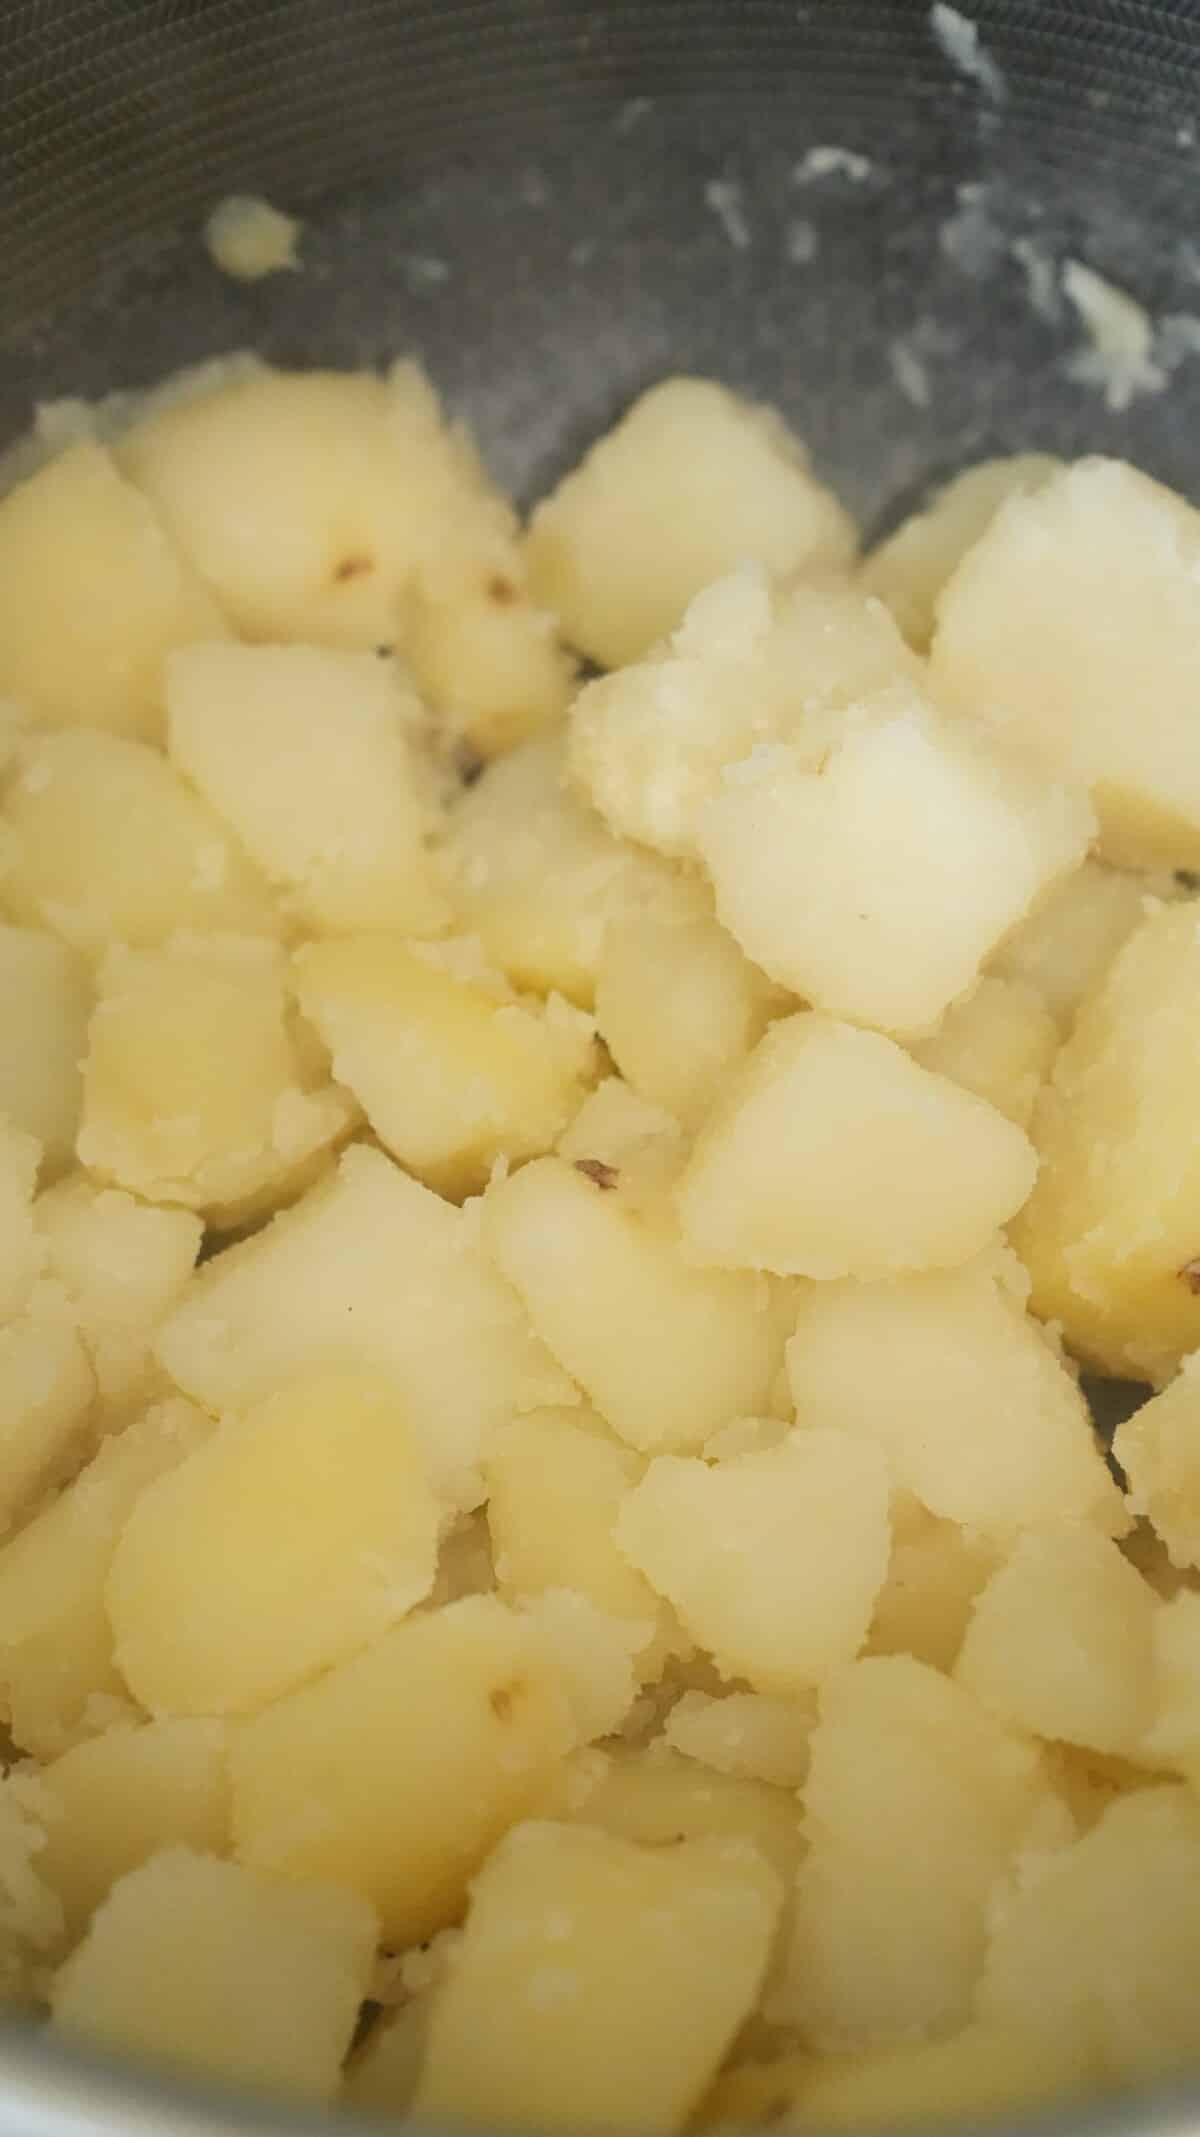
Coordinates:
column 654, row 1796
column 1067, row 943
column 666, row 1352
column 935, row 1572
column 690, row 482
column 21, row 1251
column 772, row 1560
column 452, row 1073
column 45, row 1002
column 306, row 754
column 1098, row 566
column 369, row 1270
column 1111, row 1233
column 830, row 1153
column 909, row 570
column 1159, row 1450
column 751, row 1736
column 999, row 1041
column 297, row 1534
column 209, row 1970
column 78, row 542
column 907, row 1360
column 980, row 2070
column 397, row 1771
column 584, row 1971
column 1172, row 1741
column 47, row 1405
column 31, row 1919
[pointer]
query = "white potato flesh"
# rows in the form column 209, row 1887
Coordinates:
column 1158, row 1449
column 205, row 1969
column 77, row 541
column 22, row 1253
column 691, row 481
column 306, row 754
column 980, row 2070
column 585, row 1972
column 910, row 568
column 935, row 1572
column 174, row 866
column 370, row 1269
column 772, row 1560
column 999, row 1041
column 751, row 1736
column 31, row 1920
column 655, row 1797
column 300, row 1532
column 874, row 868
column 1067, row 944
column 1060, row 1643
column 641, row 1148
column 831, row 1153
column 47, row 1398
column 1172, row 1742
column 666, row 1352
column 45, row 1002
column 1100, row 567
column 973, row 1406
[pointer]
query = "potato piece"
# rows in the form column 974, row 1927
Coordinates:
column 1060, row 1643
column 655, row 1797
column 640, row 1147
column 31, row 1922
column 296, row 1535
column 831, row 1153
column 893, row 1892
column 911, row 567
column 593, row 1653
column 1159, row 1450
column 1070, row 939
column 47, row 1393
column 370, row 1270
column 585, row 1973
column 975, row 1410
column 173, row 867
column 56, row 1659
column 983, row 2070
column 832, row 858
column 517, row 829
column 677, row 1004
column 785, row 1593
column 397, row 1772
column 451, row 1074
column 1099, row 567
column 77, row 542
column 748, row 666
column 305, row 754
column 121, row 1265
column 206, row 1969
column 934, row 1574
column 748, row 1735
column 666, row 1353
column 1112, row 1231
column 21, row 1251
column 45, row 1002
column 729, row 479
column 111, row 1803
column 1104, row 1947
column 247, row 238
column 998, row 1041
column 555, row 1482
column 481, row 648
column 194, row 1091
column 1172, row 1740
column 382, row 2076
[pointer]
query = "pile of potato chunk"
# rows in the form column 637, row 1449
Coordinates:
column 555, row 1567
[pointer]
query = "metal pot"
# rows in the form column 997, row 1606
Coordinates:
column 552, row 202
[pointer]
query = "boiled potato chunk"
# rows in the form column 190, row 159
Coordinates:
column 45, row 1002
column 585, row 1974
column 998, row 1041
column 975, row 1410
column 893, row 1893
column 1112, row 1231
column 639, row 1146
column 57, row 1675
column 1104, row 1947
column 677, row 1004
column 1099, row 568
column 911, row 567
column 934, row 1574
column 305, row 754
column 666, row 1353
column 772, row 1560
column 690, row 482
column 369, row 1270
column 656, row 1797
column 830, row 1153
column 556, row 1480
column 47, row 1397
column 111, row 1803
column 398, row 1771
column 173, row 866
column 981, row 2070
column 93, row 598
column 382, row 2076
column 21, row 1251
column 31, row 1920
column 1067, row 944
column 748, row 1735
column 873, row 868
column 213, row 1971
column 1159, row 1450
column 1173, row 1739
column 451, row 1074
column 482, row 649
column 296, row 1535
column 594, row 1654
column 1061, row 1642
column 194, row 1090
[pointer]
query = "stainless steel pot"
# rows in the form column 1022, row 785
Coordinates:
column 552, row 202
